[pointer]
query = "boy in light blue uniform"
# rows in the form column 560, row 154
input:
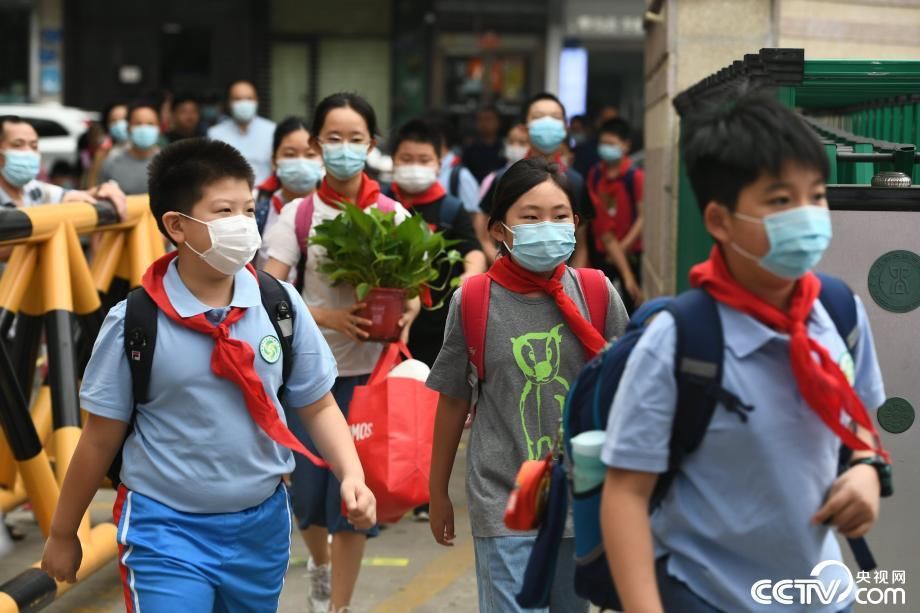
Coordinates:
column 203, row 518
column 757, row 500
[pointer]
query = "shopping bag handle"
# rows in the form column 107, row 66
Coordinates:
column 389, row 358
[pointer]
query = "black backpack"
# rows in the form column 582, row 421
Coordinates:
column 141, row 341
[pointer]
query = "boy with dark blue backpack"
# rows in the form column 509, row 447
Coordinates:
column 755, row 497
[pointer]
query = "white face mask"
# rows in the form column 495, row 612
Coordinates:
column 234, row 242
column 515, row 153
column 414, row 179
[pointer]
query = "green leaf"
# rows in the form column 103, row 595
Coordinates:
column 362, row 290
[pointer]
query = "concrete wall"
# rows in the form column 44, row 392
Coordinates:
column 695, row 38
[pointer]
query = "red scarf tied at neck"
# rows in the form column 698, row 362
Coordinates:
column 368, row 193
column 429, row 196
column 232, row 359
column 513, row 277
column 820, row 381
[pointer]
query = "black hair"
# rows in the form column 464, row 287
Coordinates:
column 342, row 100
column 490, row 108
column 727, row 148
column 5, row 119
column 236, row 81
column 104, row 120
column 537, row 98
column 417, row 131
column 287, row 126
column 617, row 126
column 522, row 177
column 178, row 174
column 142, row 104
column 182, row 98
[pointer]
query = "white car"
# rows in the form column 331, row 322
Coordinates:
column 59, row 128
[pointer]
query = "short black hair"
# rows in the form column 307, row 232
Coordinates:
column 178, row 174
column 182, row 98
column 142, row 104
column 522, row 177
column 5, row 119
column 417, row 131
column 537, row 98
column 108, row 111
column 729, row 147
column 246, row 81
column 285, row 127
column 341, row 100
column 617, row 126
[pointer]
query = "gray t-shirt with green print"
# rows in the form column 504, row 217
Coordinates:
column 531, row 360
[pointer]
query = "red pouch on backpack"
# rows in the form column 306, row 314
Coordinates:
column 527, row 502
column 392, row 423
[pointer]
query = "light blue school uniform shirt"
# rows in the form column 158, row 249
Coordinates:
column 740, row 508
column 194, row 446
column 255, row 144
column 468, row 186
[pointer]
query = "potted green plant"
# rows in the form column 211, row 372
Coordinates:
column 386, row 262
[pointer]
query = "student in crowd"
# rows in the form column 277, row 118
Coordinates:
column 344, row 129
column 297, row 168
column 484, row 155
column 203, row 516
column 129, row 168
column 186, row 118
column 453, row 175
column 761, row 497
column 585, row 152
column 245, row 130
column 516, row 146
column 615, row 188
column 115, row 118
column 537, row 340
column 545, row 119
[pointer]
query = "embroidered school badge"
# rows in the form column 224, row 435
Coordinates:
column 270, row 349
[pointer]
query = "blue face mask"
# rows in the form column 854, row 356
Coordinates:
column 244, row 110
column 541, row 247
column 798, row 239
column 20, row 167
column 610, row 153
column 144, row 137
column 546, row 133
column 344, row 160
column 299, row 175
column 119, row 131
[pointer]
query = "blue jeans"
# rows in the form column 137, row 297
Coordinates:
column 500, row 564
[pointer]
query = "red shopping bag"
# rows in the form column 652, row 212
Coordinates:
column 392, row 422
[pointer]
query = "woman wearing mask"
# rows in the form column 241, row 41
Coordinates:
column 344, row 128
column 115, row 117
column 297, row 168
column 531, row 327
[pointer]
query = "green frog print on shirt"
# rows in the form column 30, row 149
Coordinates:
column 539, row 356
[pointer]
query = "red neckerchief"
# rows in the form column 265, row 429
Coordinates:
column 368, row 193
column 820, row 381
column 429, row 196
column 557, row 159
column 513, row 277
column 232, row 359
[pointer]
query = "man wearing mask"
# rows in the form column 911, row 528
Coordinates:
column 20, row 163
column 129, row 168
column 250, row 134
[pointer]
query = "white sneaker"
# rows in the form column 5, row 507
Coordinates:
column 320, row 586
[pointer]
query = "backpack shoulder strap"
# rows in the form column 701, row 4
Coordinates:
column 629, row 180
column 140, row 340
column 454, row 182
column 303, row 221
column 593, row 285
column 263, row 204
column 840, row 303
column 474, row 316
column 594, row 178
column 386, row 204
column 450, row 207
column 277, row 304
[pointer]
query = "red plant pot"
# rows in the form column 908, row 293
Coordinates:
column 384, row 308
